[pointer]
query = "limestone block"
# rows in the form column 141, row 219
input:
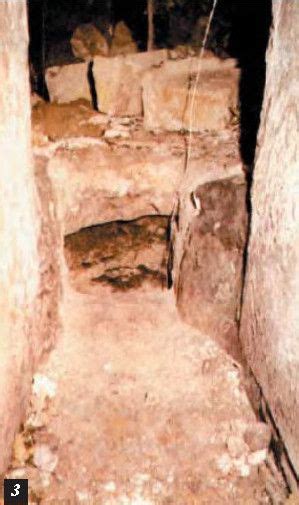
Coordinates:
column 99, row 183
column 118, row 81
column 208, row 237
column 168, row 105
column 68, row 83
column 209, row 284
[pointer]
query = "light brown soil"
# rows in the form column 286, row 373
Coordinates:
column 120, row 254
column 62, row 121
column 146, row 395
column 145, row 409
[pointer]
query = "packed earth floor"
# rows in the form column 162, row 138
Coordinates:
column 147, row 410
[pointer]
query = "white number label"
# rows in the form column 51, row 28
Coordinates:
column 16, row 489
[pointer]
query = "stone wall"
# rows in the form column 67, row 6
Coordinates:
column 208, row 236
column 270, row 316
column 209, row 284
column 28, row 262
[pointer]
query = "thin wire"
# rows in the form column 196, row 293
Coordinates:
column 44, row 7
column 200, row 57
column 176, row 203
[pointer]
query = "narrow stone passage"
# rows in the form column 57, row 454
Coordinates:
column 126, row 172
column 133, row 406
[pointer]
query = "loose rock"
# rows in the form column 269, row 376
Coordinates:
column 257, row 457
column 87, row 41
column 257, row 436
column 236, row 446
column 44, row 458
column 122, row 41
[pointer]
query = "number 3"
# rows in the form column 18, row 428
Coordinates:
column 16, row 489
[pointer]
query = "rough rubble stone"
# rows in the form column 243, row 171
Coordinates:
column 181, row 51
column 257, row 436
column 168, row 105
column 68, row 83
column 122, row 41
column 118, row 81
column 87, row 41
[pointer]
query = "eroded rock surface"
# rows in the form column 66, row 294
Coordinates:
column 208, row 240
column 210, row 277
column 29, row 263
column 270, row 324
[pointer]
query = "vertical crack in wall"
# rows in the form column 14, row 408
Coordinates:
column 92, row 86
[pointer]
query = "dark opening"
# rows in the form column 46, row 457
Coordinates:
column 251, row 23
column 92, row 86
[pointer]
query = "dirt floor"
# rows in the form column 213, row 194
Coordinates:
column 134, row 407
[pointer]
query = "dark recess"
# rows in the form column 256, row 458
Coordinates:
column 251, row 23
column 92, row 86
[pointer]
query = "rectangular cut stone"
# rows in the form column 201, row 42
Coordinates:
column 118, row 81
column 97, row 184
column 169, row 106
column 68, row 83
